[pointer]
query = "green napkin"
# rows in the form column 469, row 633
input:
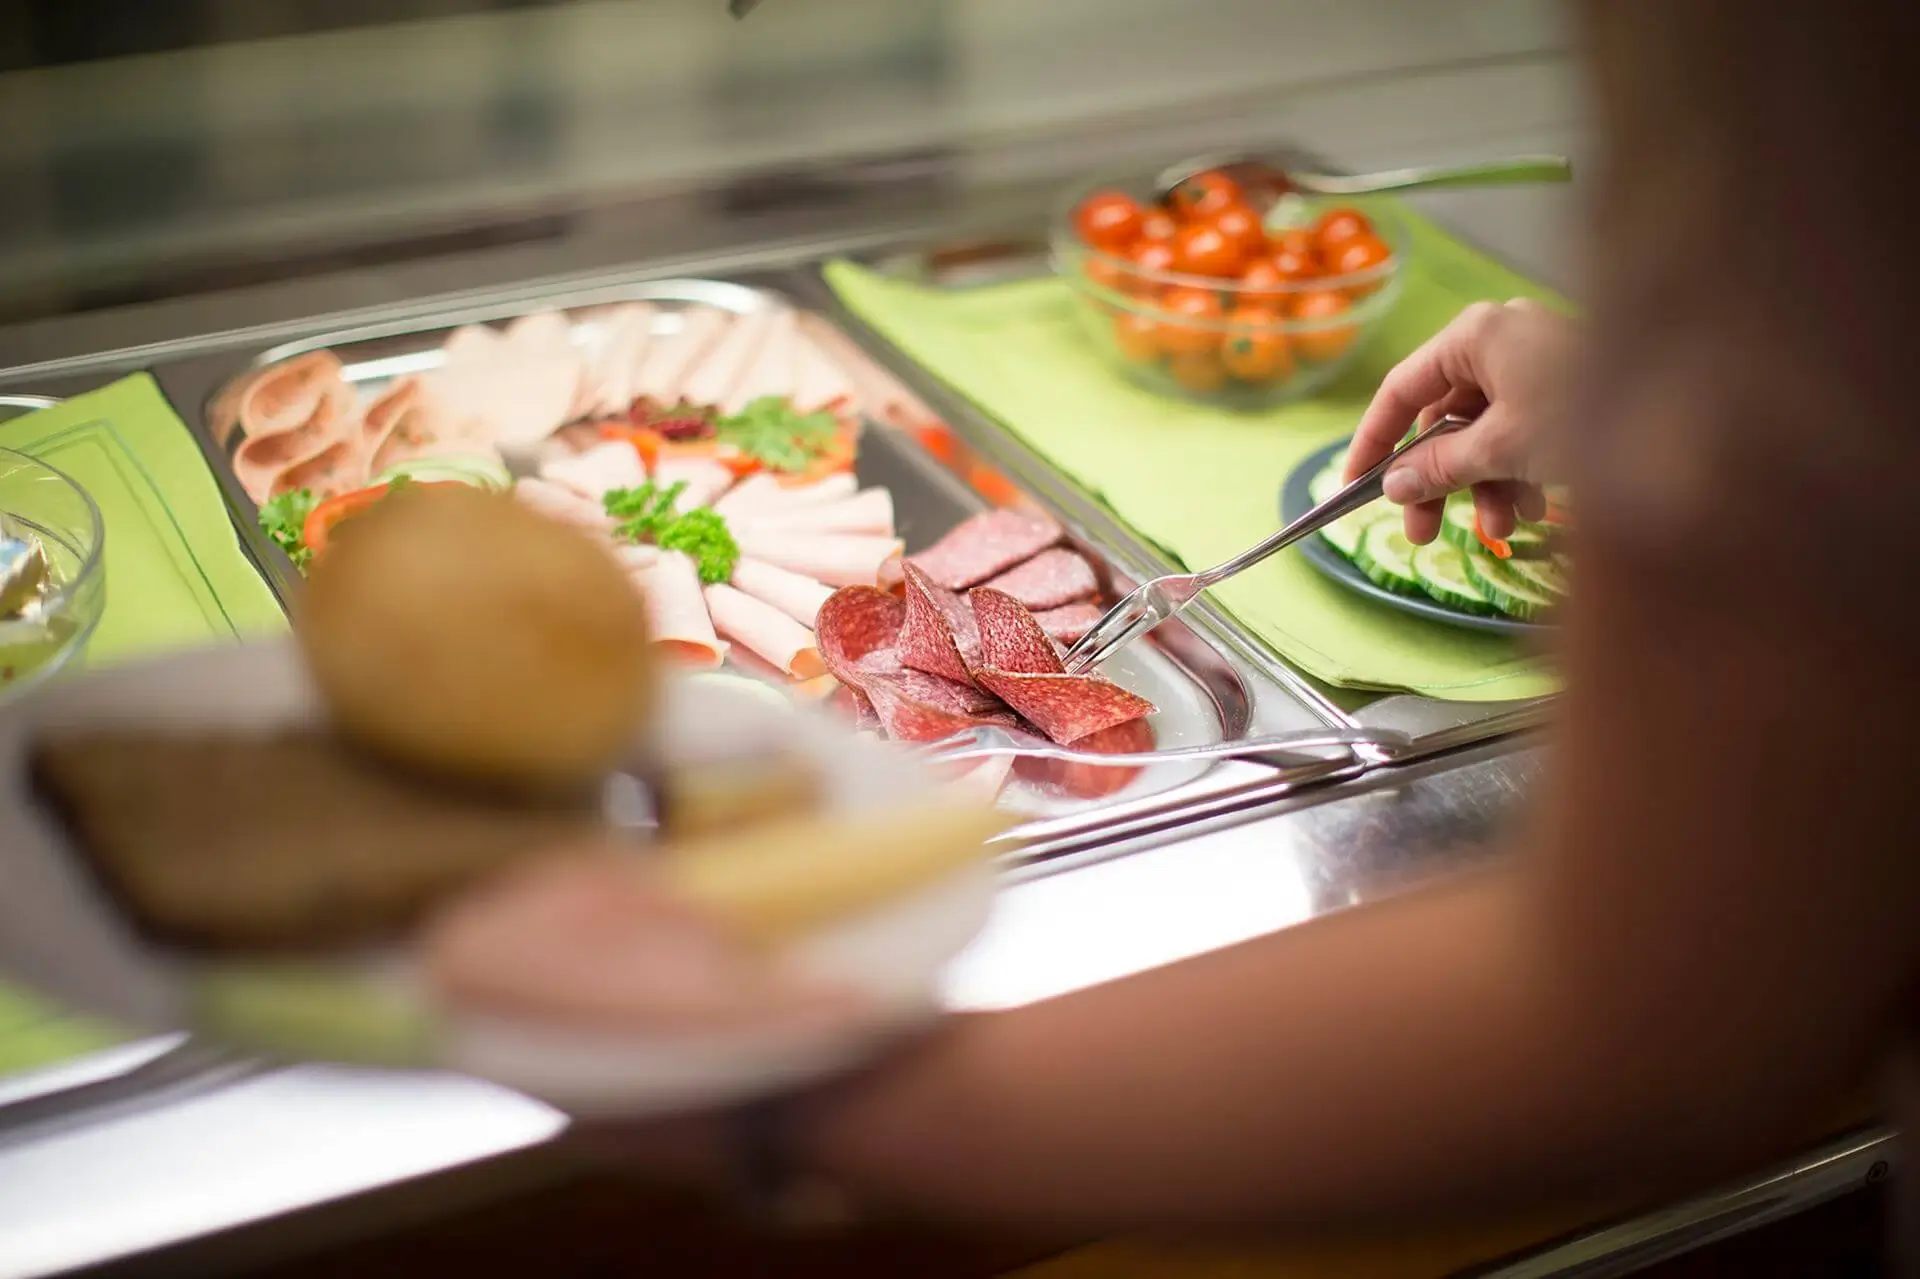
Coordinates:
column 1203, row 483
column 176, row 576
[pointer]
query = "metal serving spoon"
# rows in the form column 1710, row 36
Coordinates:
column 1156, row 601
column 1511, row 171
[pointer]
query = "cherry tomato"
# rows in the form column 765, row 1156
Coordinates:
column 1151, row 257
column 1201, row 248
column 1295, row 266
column 1261, row 282
column 1191, row 326
column 1336, row 226
column 1298, row 240
column 1323, row 345
column 1138, row 337
column 1259, row 353
column 1241, row 225
column 1106, row 274
column 1108, row 220
column 1198, row 371
column 1360, row 253
column 1157, row 224
column 1203, row 195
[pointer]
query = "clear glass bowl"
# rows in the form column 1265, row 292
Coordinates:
column 41, row 503
column 1284, row 356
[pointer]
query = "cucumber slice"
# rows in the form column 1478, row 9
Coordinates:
column 1344, row 533
column 1324, row 485
column 1442, row 571
column 1506, row 589
column 1386, row 556
column 1542, row 574
column 1529, row 541
column 481, row 472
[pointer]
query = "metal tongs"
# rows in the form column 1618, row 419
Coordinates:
column 1156, row 601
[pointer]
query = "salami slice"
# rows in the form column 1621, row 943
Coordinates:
column 1069, row 624
column 907, row 719
column 1048, row 580
column 939, row 634
column 1010, row 638
column 1091, row 781
column 854, row 622
column 985, row 546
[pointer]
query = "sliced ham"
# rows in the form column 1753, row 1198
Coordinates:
column 626, row 334
column 559, row 502
column 798, row 597
column 612, row 464
column 705, row 479
column 766, row 631
column 471, row 343
column 838, row 559
column 663, row 372
column 882, row 396
column 521, row 386
column 869, row 511
column 330, row 428
column 771, row 370
column 275, row 399
column 716, row 376
column 677, row 609
column 764, row 492
column 818, row 381
column 541, row 333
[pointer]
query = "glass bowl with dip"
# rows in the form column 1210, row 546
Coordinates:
column 53, row 583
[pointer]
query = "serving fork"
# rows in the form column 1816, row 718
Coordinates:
column 1154, row 602
column 987, row 740
column 1509, row 171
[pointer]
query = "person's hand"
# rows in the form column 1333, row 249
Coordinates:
column 1505, row 364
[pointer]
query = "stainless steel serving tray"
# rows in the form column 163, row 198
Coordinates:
column 1200, row 692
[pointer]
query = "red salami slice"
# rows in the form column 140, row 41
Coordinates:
column 985, row 546
column 1069, row 624
column 856, row 621
column 908, row 719
column 1066, row 708
column 1048, row 580
column 1010, row 638
column 939, row 634
column 1091, row 781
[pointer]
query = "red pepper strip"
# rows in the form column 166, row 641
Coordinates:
column 651, row 447
column 322, row 519
column 1499, row 546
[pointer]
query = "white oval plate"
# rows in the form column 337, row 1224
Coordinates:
column 61, row 934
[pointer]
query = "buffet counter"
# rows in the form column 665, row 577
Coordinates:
column 167, row 1154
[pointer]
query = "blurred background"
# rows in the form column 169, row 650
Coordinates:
column 156, row 149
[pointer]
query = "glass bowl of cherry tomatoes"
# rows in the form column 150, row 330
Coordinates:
column 1227, row 295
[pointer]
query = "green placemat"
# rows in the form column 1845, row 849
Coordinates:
column 1204, row 483
column 176, row 576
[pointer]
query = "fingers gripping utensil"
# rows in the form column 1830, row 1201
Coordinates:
column 1156, row 601
column 1510, row 171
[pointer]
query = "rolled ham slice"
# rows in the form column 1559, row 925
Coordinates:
column 470, row 343
column 541, row 333
column 677, row 609
column 771, row 370
column 559, row 502
column 607, row 388
column 869, row 511
column 838, row 559
column 522, row 386
column 716, row 376
column 819, row 382
column 275, row 399
column 670, row 359
column 705, row 479
column 766, row 631
column 764, row 492
column 612, row 464
column 331, row 428
column 798, row 597
column 882, row 396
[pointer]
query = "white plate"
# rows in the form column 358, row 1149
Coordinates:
column 61, row 934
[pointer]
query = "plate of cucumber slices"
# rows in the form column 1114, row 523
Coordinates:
column 1455, row 580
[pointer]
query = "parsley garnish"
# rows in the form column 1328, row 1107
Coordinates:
column 646, row 514
column 282, row 518
column 783, row 440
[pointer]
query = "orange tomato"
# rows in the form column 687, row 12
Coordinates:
column 1191, row 321
column 1137, row 336
column 1261, row 282
column 1298, row 240
column 1295, row 266
column 1241, row 225
column 1202, row 248
column 1336, row 226
column 1323, row 345
column 1203, row 195
column 1258, row 353
column 1155, row 257
column 1360, row 253
column 1108, row 220
column 1198, row 371
column 1157, row 224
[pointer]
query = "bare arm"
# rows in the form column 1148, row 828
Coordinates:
column 1714, row 926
